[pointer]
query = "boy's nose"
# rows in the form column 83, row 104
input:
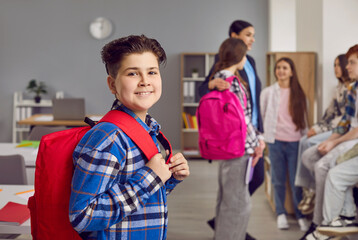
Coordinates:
column 144, row 81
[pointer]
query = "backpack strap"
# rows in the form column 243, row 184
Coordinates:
column 230, row 80
column 137, row 133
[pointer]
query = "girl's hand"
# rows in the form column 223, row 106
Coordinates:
column 258, row 152
column 178, row 165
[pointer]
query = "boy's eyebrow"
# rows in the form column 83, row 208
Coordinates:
column 136, row 68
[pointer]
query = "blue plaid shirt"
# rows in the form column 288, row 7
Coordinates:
column 113, row 194
column 345, row 124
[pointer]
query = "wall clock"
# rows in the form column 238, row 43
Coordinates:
column 101, row 28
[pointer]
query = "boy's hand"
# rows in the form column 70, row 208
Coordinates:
column 179, row 167
column 311, row 133
column 326, row 146
column 158, row 165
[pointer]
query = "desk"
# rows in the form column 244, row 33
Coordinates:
column 29, row 155
column 47, row 120
column 8, row 194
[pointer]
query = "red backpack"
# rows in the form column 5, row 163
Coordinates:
column 221, row 124
column 49, row 207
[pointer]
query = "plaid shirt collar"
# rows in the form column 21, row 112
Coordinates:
column 151, row 125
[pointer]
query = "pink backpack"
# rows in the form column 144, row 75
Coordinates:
column 222, row 126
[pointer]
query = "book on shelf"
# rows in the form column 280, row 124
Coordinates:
column 186, row 92
column 191, row 92
column 249, row 171
column 195, row 122
column 190, row 121
column 14, row 214
column 186, row 125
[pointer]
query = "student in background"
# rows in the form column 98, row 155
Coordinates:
column 116, row 192
column 283, row 108
column 320, row 158
column 246, row 32
column 233, row 201
column 321, row 131
column 339, row 208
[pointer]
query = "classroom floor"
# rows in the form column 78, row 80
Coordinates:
column 192, row 203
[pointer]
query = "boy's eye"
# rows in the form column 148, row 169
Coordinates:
column 132, row 74
column 152, row 72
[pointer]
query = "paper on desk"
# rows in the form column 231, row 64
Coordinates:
column 44, row 118
column 14, row 213
column 26, row 194
column 28, row 143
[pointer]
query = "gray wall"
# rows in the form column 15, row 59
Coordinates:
column 50, row 41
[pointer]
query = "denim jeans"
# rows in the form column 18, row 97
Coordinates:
column 283, row 157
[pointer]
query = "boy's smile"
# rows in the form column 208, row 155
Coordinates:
column 138, row 84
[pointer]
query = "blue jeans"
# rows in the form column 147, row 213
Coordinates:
column 283, row 157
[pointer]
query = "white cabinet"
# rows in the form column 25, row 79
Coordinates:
column 23, row 108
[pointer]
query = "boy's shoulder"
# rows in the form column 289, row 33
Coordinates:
column 101, row 136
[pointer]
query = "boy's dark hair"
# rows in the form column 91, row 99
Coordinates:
column 352, row 50
column 231, row 52
column 114, row 51
column 237, row 26
column 342, row 64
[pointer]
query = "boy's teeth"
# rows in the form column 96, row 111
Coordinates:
column 143, row 93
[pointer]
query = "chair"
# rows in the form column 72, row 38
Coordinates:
column 12, row 169
column 38, row 131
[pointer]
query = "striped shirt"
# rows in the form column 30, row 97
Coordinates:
column 114, row 195
column 252, row 136
column 349, row 118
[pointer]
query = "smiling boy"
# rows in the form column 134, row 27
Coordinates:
column 116, row 192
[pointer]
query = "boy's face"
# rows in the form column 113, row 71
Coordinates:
column 138, row 84
column 352, row 66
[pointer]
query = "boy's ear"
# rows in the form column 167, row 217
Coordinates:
column 111, row 84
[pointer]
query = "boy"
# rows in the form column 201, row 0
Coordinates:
column 319, row 159
column 116, row 192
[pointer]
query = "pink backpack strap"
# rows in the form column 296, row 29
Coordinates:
column 230, row 80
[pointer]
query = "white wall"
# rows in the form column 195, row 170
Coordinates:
column 282, row 25
column 309, row 39
column 340, row 20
